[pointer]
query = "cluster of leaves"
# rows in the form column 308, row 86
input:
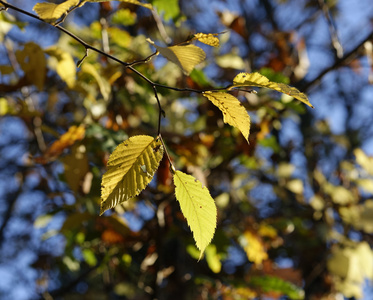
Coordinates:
column 113, row 100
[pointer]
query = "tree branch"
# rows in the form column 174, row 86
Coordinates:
column 338, row 63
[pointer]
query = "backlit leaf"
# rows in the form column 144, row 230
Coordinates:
column 169, row 9
column 256, row 79
column 64, row 65
column 186, row 57
column 364, row 160
column 253, row 247
column 147, row 5
column 75, row 133
column 207, row 38
column 233, row 111
column 101, row 80
column 198, row 208
column 51, row 12
column 130, row 169
column 213, row 258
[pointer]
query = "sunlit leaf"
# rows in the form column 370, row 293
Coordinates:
column 169, row 9
column 213, row 258
column 198, row 208
column 103, row 84
column 295, row 186
column 75, row 133
column 32, row 61
column 365, row 161
column 90, row 257
column 207, row 38
column 186, row 56
column 51, row 12
column 147, row 5
column 234, row 113
column 130, row 169
column 275, row 284
column 359, row 216
column 64, row 65
column 256, row 79
column 253, row 247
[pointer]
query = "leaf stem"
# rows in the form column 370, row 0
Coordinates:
column 172, row 167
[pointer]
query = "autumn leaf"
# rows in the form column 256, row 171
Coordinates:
column 207, row 38
column 130, row 169
column 256, row 79
column 146, row 5
column 64, row 65
column 185, row 56
column 51, row 12
column 198, row 208
column 233, row 111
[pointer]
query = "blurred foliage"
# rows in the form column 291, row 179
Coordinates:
column 295, row 206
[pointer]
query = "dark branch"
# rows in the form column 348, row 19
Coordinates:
column 338, row 63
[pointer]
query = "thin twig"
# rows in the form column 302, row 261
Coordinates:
column 339, row 62
column 161, row 112
column 332, row 29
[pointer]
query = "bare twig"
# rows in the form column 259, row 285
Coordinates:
column 338, row 63
column 332, row 29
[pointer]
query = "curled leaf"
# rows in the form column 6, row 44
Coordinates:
column 185, row 56
column 207, row 38
column 256, row 79
column 233, row 111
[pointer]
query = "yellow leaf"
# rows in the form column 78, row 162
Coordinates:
column 253, row 247
column 364, row 160
column 256, row 79
column 295, row 186
column 51, row 12
column 198, row 208
column 213, row 258
column 207, row 38
column 130, row 169
column 147, row 5
column 33, row 63
column 64, row 65
column 186, row 57
column 103, row 84
column 233, row 111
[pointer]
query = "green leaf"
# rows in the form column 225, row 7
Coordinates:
column 271, row 283
column 51, row 12
column 64, row 65
column 130, row 169
column 169, row 8
column 198, row 208
column 256, row 79
column 213, row 258
column 186, row 57
column 233, row 111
